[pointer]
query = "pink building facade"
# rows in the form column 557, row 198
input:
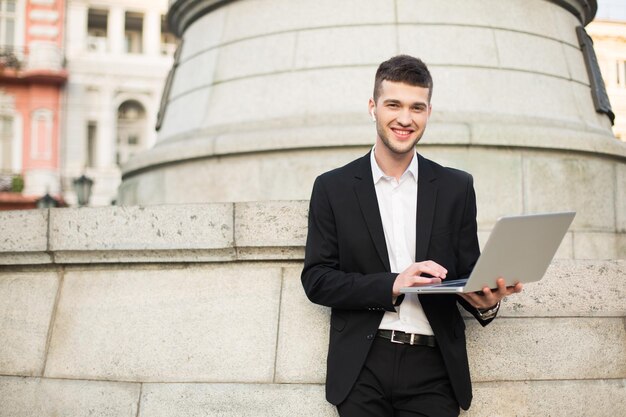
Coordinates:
column 32, row 77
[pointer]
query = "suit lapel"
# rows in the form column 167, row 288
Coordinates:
column 366, row 195
column 426, row 199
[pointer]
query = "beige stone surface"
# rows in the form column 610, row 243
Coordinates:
column 26, row 307
column 352, row 45
column 234, row 400
column 208, row 226
column 197, row 72
column 576, row 64
column 254, row 56
column 496, row 173
column 204, row 34
column 23, row 231
column 191, row 323
column 530, row 53
column 517, row 349
column 570, row 398
column 577, row 183
column 245, row 19
column 572, row 289
column 600, row 245
column 620, row 197
column 449, row 45
column 28, row 397
column 302, row 335
column 533, row 16
column 271, row 223
column 190, row 107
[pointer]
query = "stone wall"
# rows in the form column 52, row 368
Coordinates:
column 196, row 310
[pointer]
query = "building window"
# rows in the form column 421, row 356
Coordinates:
column 97, row 30
column 133, row 32
column 7, row 23
column 92, row 144
column 131, row 128
column 6, row 142
column 41, row 135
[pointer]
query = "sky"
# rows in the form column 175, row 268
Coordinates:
column 611, row 10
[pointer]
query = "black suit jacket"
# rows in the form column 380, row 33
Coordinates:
column 347, row 268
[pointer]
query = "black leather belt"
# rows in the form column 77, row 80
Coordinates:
column 407, row 338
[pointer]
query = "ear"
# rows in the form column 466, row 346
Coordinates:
column 371, row 105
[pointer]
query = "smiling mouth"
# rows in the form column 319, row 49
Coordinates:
column 402, row 133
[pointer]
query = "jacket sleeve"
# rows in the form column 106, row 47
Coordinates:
column 323, row 279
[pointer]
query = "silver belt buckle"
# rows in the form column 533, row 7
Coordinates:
column 412, row 339
column 393, row 334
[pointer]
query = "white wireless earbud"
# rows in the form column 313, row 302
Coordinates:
column 373, row 116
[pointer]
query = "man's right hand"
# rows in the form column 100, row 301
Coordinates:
column 411, row 277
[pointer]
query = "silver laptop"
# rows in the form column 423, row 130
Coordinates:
column 519, row 249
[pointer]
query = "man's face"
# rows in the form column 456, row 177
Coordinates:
column 401, row 113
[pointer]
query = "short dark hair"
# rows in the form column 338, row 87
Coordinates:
column 405, row 69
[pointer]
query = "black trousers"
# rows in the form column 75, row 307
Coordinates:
column 401, row 381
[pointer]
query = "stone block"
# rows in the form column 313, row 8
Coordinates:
column 27, row 397
column 565, row 24
column 264, row 176
column 575, row 64
column 287, row 98
column 256, row 56
column 195, row 323
column 303, row 334
column 247, row 20
column 24, row 231
column 525, row 52
column 478, row 95
column 549, row 186
column 590, row 245
column 497, row 178
column 572, row 289
column 234, row 400
column 516, row 15
column 196, row 73
column 26, row 307
column 204, row 34
column 598, row 398
column 357, row 45
column 620, row 197
column 519, row 349
column 449, row 45
column 190, row 107
column 207, row 226
column 271, row 223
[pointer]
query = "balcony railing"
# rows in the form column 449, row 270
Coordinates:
column 12, row 57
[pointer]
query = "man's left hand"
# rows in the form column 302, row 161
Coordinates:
column 488, row 298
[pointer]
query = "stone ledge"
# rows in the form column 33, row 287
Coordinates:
column 567, row 398
column 27, row 397
column 28, row 231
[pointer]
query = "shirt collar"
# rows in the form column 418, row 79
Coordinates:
column 378, row 173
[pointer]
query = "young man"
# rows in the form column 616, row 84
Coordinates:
column 389, row 220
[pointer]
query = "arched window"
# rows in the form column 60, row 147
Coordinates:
column 131, row 128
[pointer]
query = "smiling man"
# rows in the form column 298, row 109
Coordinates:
column 388, row 220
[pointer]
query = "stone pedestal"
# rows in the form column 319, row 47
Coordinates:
column 260, row 104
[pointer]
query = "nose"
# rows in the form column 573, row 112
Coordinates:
column 404, row 118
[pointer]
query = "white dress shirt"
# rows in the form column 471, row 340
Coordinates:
column 397, row 201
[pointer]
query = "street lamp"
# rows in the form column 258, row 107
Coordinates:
column 47, row 201
column 82, row 188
